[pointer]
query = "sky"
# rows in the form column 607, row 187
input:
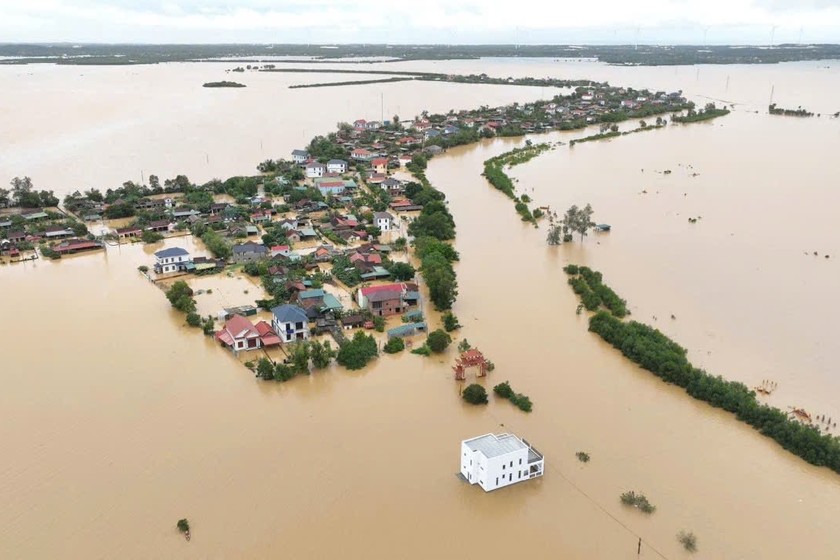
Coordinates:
column 428, row 21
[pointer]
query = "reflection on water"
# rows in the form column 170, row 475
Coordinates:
column 117, row 420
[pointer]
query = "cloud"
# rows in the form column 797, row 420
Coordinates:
column 484, row 21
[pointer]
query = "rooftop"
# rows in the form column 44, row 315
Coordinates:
column 171, row 252
column 492, row 445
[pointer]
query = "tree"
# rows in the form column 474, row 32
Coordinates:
column 475, row 394
column 357, row 352
column 265, row 369
column 441, row 280
column 150, row 236
column 503, row 390
column 300, row 358
column 450, row 322
column 402, row 271
column 193, row 319
column 554, row 236
column 180, row 296
column 394, row 345
column 283, row 372
column 464, row 345
column 183, row 525
column 321, row 353
column 438, row 341
column 154, row 183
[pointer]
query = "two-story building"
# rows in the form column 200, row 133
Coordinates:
column 494, row 461
column 383, row 220
column 248, row 252
column 384, row 300
column 315, row 169
column 173, row 259
column 300, row 156
column 336, row 166
column 379, row 165
column 290, row 323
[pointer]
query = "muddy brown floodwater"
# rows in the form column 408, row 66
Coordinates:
column 116, row 420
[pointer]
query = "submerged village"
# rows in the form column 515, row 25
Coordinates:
column 334, row 234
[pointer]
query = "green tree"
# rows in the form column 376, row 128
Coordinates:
column 183, row 525
column 180, row 296
column 450, row 322
column 193, row 319
column 150, row 236
column 300, row 358
column 503, row 390
column 441, row 280
column 401, row 271
column 322, row 354
column 265, row 369
column 283, row 372
column 394, row 346
column 475, row 394
column 357, row 352
column 438, row 341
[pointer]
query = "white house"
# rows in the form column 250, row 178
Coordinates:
column 290, row 323
column 300, row 156
column 494, row 461
column 383, row 220
column 315, row 169
column 336, row 166
column 172, row 260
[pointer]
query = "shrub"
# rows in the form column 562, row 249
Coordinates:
column 464, row 345
column 450, row 322
column 503, row 390
column 640, row 501
column 422, row 351
column 193, row 319
column 150, row 236
column 283, row 372
column 379, row 324
column 475, row 394
column 143, row 268
column 688, row 540
column 183, row 525
column 438, row 341
column 394, row 346
column 571, row 269
column 582, row 456
column 522, row 402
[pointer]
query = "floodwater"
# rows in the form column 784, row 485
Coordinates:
column 117, row 420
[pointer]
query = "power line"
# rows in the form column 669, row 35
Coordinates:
column 557, row 470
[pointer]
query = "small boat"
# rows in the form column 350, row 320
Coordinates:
column 603, row 227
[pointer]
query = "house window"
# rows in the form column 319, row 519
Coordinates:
column 511, row 464
column 503, row 467
column 510, row 477
column 497, row 481
column 520, row 461
column 298, row 325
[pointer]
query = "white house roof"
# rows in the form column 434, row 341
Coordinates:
column 492, row 445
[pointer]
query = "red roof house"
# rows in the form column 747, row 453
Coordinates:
column 239, row 334
column 267, row 334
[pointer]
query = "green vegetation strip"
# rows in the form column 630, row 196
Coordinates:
column 663, row 357
column 224, row 84
column 710, row 112
column 496, row 176
column 352, row 83
column 522, row 402
column 593, row 293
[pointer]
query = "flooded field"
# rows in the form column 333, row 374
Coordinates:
column 117, row 420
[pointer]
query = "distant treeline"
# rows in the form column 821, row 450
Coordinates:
column 666, row 359
column 645, row 55
column 224, row 84
column 798, row 112
column 352, row 83
column 705, row 114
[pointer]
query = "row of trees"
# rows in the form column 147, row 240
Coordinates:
column 666, row 359
column 301, row 354
column 522, row 402
column 23, row 194
column 589, row 285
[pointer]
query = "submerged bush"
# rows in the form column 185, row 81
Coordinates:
column 475, row 394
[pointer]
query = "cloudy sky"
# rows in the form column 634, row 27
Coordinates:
column 426, row 21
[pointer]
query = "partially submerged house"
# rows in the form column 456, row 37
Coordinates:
column 174, row 259
column 290, row 323
column 387, row 299
column 239, row 334
column 494, row 461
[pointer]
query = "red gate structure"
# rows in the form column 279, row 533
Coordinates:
column 472, row 357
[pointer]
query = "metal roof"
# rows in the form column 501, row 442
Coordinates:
column 492, row 445
column 289, row 314
column 171, row 252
